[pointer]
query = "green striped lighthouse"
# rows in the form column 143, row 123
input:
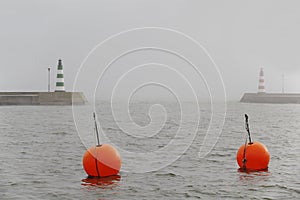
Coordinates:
column 60, row 82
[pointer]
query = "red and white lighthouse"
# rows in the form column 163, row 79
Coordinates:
column 261, row 84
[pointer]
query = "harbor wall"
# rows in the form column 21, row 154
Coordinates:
column 276, row 98
column 42, row 98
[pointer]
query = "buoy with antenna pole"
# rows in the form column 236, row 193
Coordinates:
column 101, row 160
column 252, row 155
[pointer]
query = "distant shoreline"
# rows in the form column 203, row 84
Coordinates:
column 42, row 98
column 275, row 98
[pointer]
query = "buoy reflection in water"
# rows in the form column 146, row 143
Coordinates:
column 253, row 176
column 102, row 182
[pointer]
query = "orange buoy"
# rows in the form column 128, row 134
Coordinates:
column 102, row 160
column 256, row 156
column 252, row 155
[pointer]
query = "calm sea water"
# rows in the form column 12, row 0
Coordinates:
column 41, row 156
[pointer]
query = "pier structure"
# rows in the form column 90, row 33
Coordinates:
column 58, row 97
column 263, row 97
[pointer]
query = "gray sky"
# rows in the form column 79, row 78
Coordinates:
column 241, row 36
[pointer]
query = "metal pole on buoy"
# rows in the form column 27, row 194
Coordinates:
column 246, row 141
column 96, row 128
column 247, row 128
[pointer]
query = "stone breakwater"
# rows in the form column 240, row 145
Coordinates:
column 42, row 98
column 280, row 98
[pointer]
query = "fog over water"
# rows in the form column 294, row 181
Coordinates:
column 240, row 36
column 164, row 78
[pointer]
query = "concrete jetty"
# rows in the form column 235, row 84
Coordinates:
column 279, row 98
column 59, row 97
column 42, row 98
column 262, row 97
